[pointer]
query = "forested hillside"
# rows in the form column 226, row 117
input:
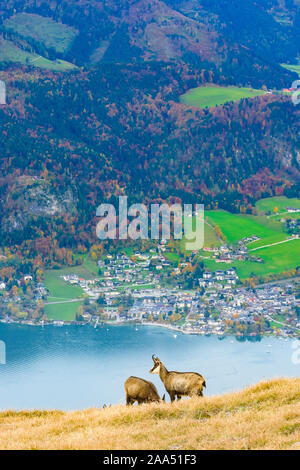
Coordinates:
column 111, row 121
column 110, row 131
column 87, row 32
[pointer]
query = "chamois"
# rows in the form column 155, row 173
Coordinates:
column 140, row 390
column 179, row 383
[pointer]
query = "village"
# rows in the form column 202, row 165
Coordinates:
column 151, row 288
column 218, row 305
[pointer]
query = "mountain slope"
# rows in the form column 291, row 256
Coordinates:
column 264, row 416
column 114, row 130
column 214, row 31
column 112, row 126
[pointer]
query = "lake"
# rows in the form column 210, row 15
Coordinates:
column 74, row 367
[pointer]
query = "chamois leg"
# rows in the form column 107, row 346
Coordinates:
column 129, row 400
column 172, row 396
column 178, row 397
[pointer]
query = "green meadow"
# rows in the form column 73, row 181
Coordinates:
column 209, row 96
column 61, row 291
column 277, row 259
column 57, row 65
column 210, row 236
column 65, row 312
column 292, row 68
column 234, row 227
column 53, row 35
column 9, row 52
column 267, row 205
column 58, row 288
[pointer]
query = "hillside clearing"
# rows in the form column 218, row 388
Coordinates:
column 208, row 96
column 57, row 307
column 277, row 252
column 9, row 52
column 292, row 68
column 235, row 227
column 61, row 291
column 53, row 35
column 279, row 203
column 264, row 416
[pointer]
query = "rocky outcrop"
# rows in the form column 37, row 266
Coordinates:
column 31, row 198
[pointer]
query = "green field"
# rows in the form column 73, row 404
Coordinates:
column 292, row 68
column 268, row 204
column 208, row 96
column 210, row 237
column 286, row 215
column 62, row 291
column 173, row 257
column 277, row 258
column 9, row 52
column 65, row 312
column 53, row 35
column 235, row 227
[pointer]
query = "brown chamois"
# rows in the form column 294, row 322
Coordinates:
column 179, row 383
column 141, row 390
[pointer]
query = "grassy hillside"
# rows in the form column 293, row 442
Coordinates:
column 279, row 203
column 203, row 97
column 292, row 68
column 264, row 416
column 278, row 252
column 61, row 292
column 53, row 35
column 9, row 52
column 235, row 227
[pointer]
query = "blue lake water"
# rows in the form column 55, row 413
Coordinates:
column 73, row 367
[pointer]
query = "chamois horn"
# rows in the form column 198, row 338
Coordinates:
column 153, row 357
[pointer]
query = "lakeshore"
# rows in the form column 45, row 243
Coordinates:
column 266, row 310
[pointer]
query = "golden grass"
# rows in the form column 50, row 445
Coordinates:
column 264, row 416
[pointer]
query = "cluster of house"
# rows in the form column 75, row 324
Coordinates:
column 293, row 226
column 38, row 289
column 210, row 312
column 246, row 307
column 228, row 253
column 246, row 240
column 120, row 271
column 205, row 311
column 292, row 210
column 228, row 277
column 26, row 278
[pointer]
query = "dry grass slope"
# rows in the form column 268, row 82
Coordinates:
column 264, row 416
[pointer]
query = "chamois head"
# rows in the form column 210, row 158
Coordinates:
column 157, row 363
